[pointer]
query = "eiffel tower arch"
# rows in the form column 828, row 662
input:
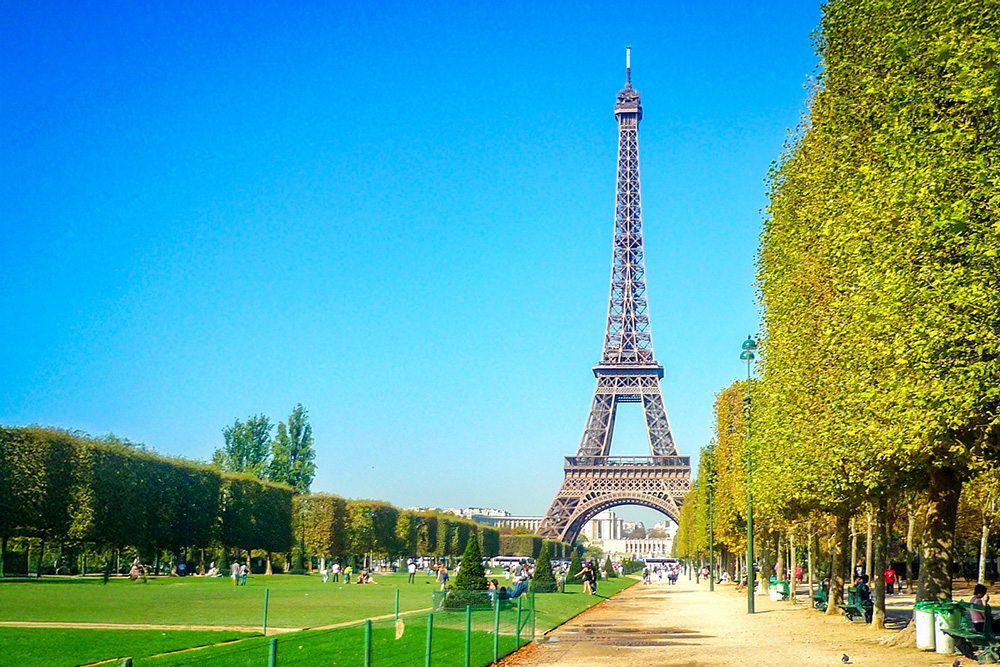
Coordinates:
column 627, row 373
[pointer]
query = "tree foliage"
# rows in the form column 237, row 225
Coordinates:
column 879, row 277
column 247, row 447
column 292, row 452
column 471, row 575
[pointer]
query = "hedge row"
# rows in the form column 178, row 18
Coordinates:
column 531, row 546
column 58, row 486
column 332, row 526
column 63, row 487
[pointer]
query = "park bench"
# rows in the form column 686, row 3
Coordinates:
column 984, row 647
column 820, row 599
column 855, row 607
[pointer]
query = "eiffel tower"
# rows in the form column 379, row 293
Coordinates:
column 627, row 373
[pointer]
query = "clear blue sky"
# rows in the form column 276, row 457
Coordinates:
column 397, row 214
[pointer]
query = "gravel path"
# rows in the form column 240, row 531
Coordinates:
column 687, row 626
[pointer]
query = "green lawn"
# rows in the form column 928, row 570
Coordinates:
column 294, row 601
column 57, row 647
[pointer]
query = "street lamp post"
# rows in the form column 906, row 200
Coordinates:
column 749, row 345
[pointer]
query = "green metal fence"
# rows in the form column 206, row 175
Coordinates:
column 449, row 636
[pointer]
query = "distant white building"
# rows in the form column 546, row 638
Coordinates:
column 604, row 526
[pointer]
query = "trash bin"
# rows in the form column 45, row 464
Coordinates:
column 947, row 614
column 783, row 589
column 923, row 617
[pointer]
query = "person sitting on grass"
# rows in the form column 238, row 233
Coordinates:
column 979, row 616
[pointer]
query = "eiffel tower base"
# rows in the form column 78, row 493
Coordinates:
column 597, row 483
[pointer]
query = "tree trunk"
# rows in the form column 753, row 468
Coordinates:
column 911, row 523
column 841, row 538
column 3, row 552
column 792, row 563
column 810, row 537
column 983, row 542
column 879, row 564
column 868, row 548
column 766, row 564
column 269, row 571
column 41, row 556
column 934, row 581
column 854, row 544
column 779, row 573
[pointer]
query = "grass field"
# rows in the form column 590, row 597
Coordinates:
column 58, row 647
column 294, row 602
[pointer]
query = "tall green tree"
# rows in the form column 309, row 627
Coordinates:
column 471, row 575
column 247, row 447
column 292, row 452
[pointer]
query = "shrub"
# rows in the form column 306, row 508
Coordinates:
column 471, row 576
column 574, row 565
column 609, row 568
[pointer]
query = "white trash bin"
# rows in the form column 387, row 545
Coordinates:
column 923, row 617
column 945, row 616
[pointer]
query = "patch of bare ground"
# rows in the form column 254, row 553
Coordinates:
column 687, row 626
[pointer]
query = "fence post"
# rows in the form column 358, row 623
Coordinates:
column 468, row 635
column 272, row 655
column 397, row 604
column 517, row 627
column 496, row 631
column 531, row 605
column 264, row 628
column 368, row 643
column 430, row 634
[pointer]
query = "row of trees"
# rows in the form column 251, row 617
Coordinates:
column 329, row 526
column 75, row 490
column 879, row 277
column 62, row 487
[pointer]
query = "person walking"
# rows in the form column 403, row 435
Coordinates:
column 244, row 571
column 234, row 572
column 890, row 579
column 411, row 570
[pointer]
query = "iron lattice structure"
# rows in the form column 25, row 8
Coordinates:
column 627, row 373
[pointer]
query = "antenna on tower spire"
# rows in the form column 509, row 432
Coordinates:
column 628, row 65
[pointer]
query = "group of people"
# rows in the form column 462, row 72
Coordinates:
column 658, row 572
column 889, row 576
column 238, row 572
column 334, row 572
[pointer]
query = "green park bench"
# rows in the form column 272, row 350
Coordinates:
column 820, row 599
column 855, row 607
column 983, row 647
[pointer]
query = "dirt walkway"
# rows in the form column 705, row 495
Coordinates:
column 687, row 626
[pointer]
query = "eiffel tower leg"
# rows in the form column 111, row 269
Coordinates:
column 661, row 440
column 560, row 512
column 596, row 440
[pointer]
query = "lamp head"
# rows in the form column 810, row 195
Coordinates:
column 750, row 344
column 746, row 354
